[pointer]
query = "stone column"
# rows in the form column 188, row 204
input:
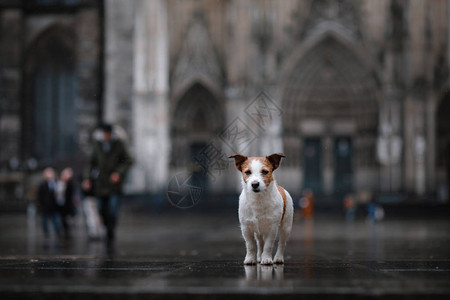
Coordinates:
column 390, row 143
column 409, row 144
column 119, row 26
column 420, row 148
column 416, row 144
column 431, row 141
column 150, row 92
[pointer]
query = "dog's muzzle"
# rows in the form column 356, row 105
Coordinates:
column 255, row 186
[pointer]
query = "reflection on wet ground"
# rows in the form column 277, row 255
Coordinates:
column 200, row 256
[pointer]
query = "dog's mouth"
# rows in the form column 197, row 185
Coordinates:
column 256, row 190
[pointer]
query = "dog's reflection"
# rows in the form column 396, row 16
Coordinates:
column 264, row 273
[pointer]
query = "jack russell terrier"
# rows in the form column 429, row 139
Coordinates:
column 265, row 209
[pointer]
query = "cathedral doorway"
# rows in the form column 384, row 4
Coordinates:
column 197, row 120
column 343, row 166
column 313, row 165
column 330, row 120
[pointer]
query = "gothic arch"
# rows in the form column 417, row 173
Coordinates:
column 333, row 65
column 362, row 54
column 330, row 92
column 36, row 51
column 50, row 95
column 197, row 118
column 182, row 88
column 197, row 61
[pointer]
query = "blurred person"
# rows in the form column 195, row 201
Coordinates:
column 46, row 197
column 108, row 165
column 307, row 204
column 65, row 198
column 349, row 207
column 375, row 212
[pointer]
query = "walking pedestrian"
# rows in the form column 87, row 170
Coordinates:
column 47, row 202
column 108, row 165
column 64, row 198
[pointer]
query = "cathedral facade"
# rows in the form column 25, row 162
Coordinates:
column 351, row 91
column 354, row 93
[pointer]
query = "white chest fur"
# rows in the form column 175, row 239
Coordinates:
column 261, row 210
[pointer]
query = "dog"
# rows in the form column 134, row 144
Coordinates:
column 265, row 209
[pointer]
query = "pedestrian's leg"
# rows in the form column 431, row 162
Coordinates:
column 103, row 209
column 45, row 224
column 114, row 205
column 56, row 221
column 58, row 224
column 97, row 223
column 65, row 224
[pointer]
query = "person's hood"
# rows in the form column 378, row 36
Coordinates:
column 118, row 133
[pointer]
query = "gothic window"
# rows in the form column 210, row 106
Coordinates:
column 53, row 98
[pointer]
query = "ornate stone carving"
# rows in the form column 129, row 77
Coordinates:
column 197, row 58
column 340, row 15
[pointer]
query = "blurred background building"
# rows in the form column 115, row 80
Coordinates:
column 355, row 93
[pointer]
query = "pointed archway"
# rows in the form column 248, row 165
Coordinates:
column 196, row 120
column 197, row 60
column 50, row 131
column 330, row 117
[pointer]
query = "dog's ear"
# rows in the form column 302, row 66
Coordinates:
column 275, row 159
column 238, row 160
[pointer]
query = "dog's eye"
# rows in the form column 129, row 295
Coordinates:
column 265, row 172
column 248, row 172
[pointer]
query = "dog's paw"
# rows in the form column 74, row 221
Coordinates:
column 278, row 260
column 266, row 261
column 249, row 260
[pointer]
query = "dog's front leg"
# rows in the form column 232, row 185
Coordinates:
column 250, row 243
column 260, row 242
column 269, row 239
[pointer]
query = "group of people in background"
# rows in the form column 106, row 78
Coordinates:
column 56, row 200
column 101, row 189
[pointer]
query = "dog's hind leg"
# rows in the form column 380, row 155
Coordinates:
column 284, row 235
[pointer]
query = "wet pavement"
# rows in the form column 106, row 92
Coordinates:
column 193, row 256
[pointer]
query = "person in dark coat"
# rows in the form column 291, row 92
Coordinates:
column 64, row 198
column 47, row 201
column 108, row 165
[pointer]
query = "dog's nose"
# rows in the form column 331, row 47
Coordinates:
column 255, row 184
